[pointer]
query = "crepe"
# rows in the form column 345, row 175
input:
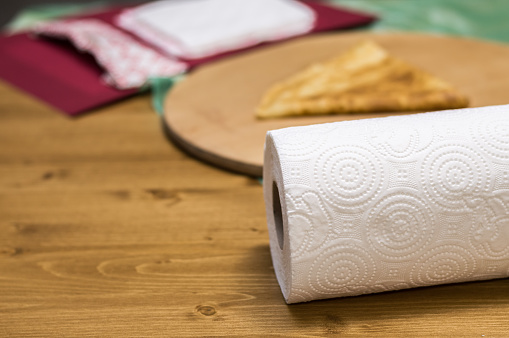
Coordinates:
column 364, row 79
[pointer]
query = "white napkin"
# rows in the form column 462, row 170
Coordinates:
column 199, row 28
column 389, row 203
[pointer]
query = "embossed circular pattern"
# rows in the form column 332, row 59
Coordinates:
column 491, row 238
column 443, row 264
column 399, row 226
column 302, row 232
column 308, row 141
column 493, row 137
column 348, row 176
column 452, row 171
column 341, row 268
column 400, row 140
column 299, row 295
column 305, row 211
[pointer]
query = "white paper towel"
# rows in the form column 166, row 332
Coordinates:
column 383, row 204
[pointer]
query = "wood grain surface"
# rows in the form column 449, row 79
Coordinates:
column 108, row 230
column 212, row 113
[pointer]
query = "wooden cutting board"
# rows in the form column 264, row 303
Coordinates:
column 211, row 113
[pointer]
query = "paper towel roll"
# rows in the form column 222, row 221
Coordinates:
column 383, row 204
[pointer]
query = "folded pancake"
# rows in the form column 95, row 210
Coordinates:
column 364, row 79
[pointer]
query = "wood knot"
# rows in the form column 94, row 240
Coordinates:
column 10, row 251
column 62, row 173
column 206, row 310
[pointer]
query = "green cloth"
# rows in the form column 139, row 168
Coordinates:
column 160, row 87
column 40, row 13
column 483, row 19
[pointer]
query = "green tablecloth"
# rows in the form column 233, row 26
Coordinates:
column 484, row 19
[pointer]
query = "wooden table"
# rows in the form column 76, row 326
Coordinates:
column 109, row 230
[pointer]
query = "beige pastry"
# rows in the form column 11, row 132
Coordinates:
column 364, row 79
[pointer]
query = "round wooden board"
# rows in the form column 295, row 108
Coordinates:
column 211, row 113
